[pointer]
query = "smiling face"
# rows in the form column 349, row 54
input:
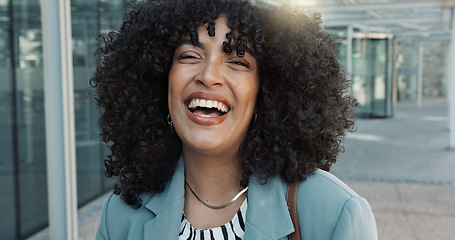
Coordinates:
column 211, row 94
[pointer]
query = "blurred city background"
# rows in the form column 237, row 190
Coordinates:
column 400, row 158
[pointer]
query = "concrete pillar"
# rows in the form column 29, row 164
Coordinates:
column 350, row 31
column 389, row 96
column 394, row 77
column 451, row 86
column 420, row 75
column 415, row 63
column 59, row 113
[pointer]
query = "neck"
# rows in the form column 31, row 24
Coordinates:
column 215, row 179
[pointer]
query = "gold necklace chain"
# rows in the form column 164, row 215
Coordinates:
column 217, row 206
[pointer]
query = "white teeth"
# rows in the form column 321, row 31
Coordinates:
column 208, row 104
column 220, row 107
column 202, row 103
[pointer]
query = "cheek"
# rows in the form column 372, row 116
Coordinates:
column 247, row 88
column 178, row 78
column 251, row 90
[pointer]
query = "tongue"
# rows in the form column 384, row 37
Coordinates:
column 209, row 112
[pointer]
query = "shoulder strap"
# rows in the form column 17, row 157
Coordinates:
column 291, row 199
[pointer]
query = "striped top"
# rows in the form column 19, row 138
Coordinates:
column 232, row 230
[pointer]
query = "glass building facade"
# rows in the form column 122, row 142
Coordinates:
column 434, row 75
column 23, row 179
column 372, row 76
column 386, row 71
column 371, row 73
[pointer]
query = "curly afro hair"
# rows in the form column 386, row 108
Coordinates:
column 303, row 106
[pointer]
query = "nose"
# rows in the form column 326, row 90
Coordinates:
column 210, row 74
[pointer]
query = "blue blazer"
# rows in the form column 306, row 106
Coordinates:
column 327, row 209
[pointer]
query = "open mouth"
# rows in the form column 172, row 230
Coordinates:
column 207, row 108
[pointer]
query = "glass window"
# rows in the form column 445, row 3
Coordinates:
column 84, row 23
column 372, row 78
column 407, row 70
column 88, row 17
column 30, row 117
column 23, row 175
column 7, row 197
column 434, row 70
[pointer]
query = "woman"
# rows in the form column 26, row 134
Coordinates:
column 210, row 109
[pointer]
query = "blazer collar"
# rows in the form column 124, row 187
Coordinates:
column 167, row 207
column 267, row 216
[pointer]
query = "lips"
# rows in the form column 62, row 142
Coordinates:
column 206, row 108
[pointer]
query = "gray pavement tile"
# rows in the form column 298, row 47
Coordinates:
column 88, row 221
column 383, row 197
column 410, row 211
column 410, row 147
column 432, row 227
column 435, row 200
column 394, row 226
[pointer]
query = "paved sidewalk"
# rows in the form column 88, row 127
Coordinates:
column 410, row 147
column 401, row 165
column 403, row 168
column 88, row 219
column 406, row 211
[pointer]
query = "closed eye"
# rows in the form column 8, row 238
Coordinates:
column 241, row 62
column 189, row 58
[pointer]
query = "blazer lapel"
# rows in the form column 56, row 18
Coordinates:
column 167, row 207
column 267, row 216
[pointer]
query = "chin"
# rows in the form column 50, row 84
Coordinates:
column 204, row 145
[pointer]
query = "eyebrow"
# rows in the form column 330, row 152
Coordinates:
column 202, row 46
column 188, row 42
